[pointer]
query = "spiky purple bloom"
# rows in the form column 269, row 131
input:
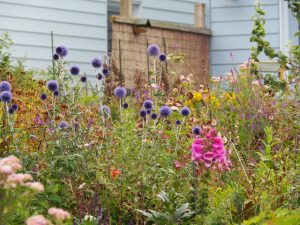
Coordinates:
column 105, row 109
column 165, row 111
column 99, row 76
column 178, row 122
column 196, row 130
column 43, row 96
column 143, row 113
column 105, row 71
column 56, row 93
column 120, row 92
column 75, row 70
column 5, row 86
column 148, row 104
column 148, row 111
column 6, row 96
column 185, row 111
column 83, row 79
column 63, row 124
column 154, row 116
column 96, row 63
column 162, row 57
column 14, row 107
column 125, row 105
column 55, row 57
column 153, row 50
column 62, row 51
column 52, row 85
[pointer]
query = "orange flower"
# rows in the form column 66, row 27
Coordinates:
column 115, row 173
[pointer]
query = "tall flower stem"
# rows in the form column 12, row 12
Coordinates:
column 11, row 127
column 178, row 135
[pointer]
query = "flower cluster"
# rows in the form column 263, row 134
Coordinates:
column 59, row 214
column 209, row 149
column 5, row 92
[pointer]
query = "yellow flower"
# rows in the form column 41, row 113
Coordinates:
column 197, row 96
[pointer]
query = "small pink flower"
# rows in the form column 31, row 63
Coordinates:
column 36, row 186
column 59, row 214
column 38, row 220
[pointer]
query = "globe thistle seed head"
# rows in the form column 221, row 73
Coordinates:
column 185, row 111
column 143, row 113
column 165, row 111
column 62, row 51
column 14, row 107
column 63, row 125
column 196, row 130
column 162, row 57
column 154, row 116
column 148, row 104
column 148, row 111
column 11, row 111
column 43, row 96
column 96, row 63
column 99, row 76
column 153, row 50
column 56, row 93
column 106, row 109
column 6, row 96
column 120, row 92
column 52, row 85
column 178, row 122
column 83, row 79
column 125, row 105
column 5, row 86
column 75, row 70
column 105, row 71
column 55, row 57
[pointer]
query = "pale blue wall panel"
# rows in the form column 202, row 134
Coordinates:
column 239, row 3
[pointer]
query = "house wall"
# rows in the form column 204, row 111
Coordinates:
column 78, row 24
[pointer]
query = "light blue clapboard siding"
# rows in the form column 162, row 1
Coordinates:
column 231, row 26
column 78, row 24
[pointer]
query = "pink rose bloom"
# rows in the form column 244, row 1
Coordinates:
column 59, row 214
column 38, row 220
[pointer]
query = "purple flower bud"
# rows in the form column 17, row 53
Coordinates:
column 75, row 70
column 148, row 104
column 143, row 113
column 154, row 116
column 162, row 57
column 96, row 63
column 43, row 96
column 185, row 111
column 83, row 79
column 196, row 130
column 52, row 85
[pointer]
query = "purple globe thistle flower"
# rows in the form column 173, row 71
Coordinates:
column 96, row 63
column 165, row 111
column 148, row 104
column 153, row 50
column 120, row 92
column 56, row 93
column 185, row 111
column 99, row 76
column 105, row 71
column 148, row 111
column 143, row 113
column 63, row 125
column 83, row 79
column 178, row 122
column 75, row 70
column 55, row 56
column 6, row 96
column 196, row 130
column 105, row 109
column 62, row 51
column 11, row 111
column 125, row 105
column 154, row 116
column 43, row 96
column 162, row 57
column 14, row 107
column 52, row 85
column 5, row 86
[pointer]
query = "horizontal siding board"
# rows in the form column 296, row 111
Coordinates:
column 241, row 28
column 47, row 14
column 7, row 23
column 240, row 42
column 243, row 13
column 24, row 38
column 220, row 70
column 65, row 5
column 239, row 3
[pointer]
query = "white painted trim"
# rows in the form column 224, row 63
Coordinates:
column 283, row 25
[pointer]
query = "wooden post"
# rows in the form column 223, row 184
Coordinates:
column 126, row 8
column 199, row 15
